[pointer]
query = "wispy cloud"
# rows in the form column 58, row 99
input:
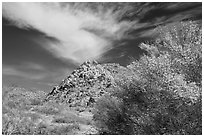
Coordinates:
column 10, row 71
column 33, row 66
column 37, row 72
column 82, row 33
column 87, row 30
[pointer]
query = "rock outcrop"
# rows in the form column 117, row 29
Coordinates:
column 85, row 84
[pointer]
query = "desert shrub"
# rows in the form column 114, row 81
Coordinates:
column 41, row 129
column 109, row 116
column 184, row 44
column 33, row 116
column 35, row 102
column 164, row 95
column 18, row 122
column 52, row 108
column 5, row 109
column 65, row 119
column 23, row 113
column 19, row 98
column 17, row 125
column 70, row 118
column 63, row 129
column 47, row 109
column 24, row 125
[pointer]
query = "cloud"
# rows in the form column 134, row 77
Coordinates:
column 83, row 33
column 33, row 66
column 37, row 72
column 88, row 30
column 11, row 71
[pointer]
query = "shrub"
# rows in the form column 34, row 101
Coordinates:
column 164, row 95
column 70, row 118
column 22, row 125
column 17, row 126
column 109, row 116
column 22, row 99
column 47, row 109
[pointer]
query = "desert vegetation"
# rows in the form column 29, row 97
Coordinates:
column 165, row 97
column 26, row 113
column 158, row 94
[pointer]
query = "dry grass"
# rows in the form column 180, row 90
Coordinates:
column 25, row 113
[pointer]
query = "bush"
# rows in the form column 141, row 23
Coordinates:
column 69, row 118
column 47, row 109
column 17, row 126
column 64, row 129
column 109, row 116
column 22, row 99
column 164, row 95
column 24, row 114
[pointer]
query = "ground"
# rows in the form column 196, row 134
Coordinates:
column 24, row 112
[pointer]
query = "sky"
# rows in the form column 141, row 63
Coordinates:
column 42, row 43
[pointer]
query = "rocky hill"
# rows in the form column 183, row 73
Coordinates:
column 86, row 84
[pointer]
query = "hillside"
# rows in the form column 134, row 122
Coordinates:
column 24, row 112
column 67, row 109
column 85, row 85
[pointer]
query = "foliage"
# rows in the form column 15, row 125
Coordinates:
column 19, row 98
column 164, row 96
column 25, row 126
column 47, row 109
column 110, row 116
column 70, row 118
column 23, row 116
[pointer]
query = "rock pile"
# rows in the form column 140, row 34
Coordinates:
column 84, row 85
